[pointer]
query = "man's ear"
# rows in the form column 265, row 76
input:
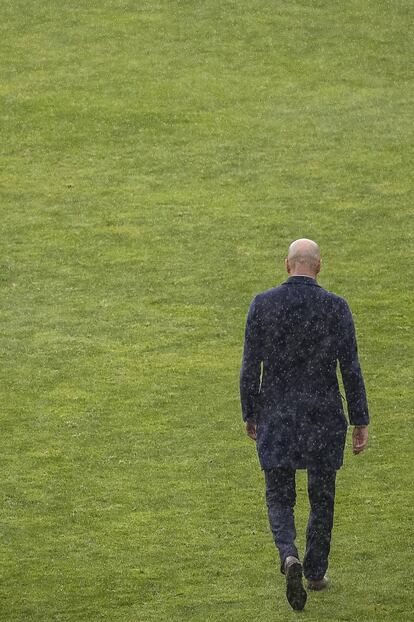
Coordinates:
column 319, row 266
column 287, row 265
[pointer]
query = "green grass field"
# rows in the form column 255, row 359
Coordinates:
column 157, row 158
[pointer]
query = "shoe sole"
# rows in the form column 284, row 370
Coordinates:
column 295, row 592
column 318, row 588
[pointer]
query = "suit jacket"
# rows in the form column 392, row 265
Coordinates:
column 295, row 335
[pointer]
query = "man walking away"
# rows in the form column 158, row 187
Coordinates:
column 295, row 335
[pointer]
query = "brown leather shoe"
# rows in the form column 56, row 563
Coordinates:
column 295, row 592
column 320, row 584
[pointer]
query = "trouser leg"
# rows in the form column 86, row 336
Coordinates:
column 280, row 500
column 321, row 491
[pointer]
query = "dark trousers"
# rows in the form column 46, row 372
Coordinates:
column 280, row 499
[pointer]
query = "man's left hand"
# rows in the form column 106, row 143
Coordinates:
column 251, row 429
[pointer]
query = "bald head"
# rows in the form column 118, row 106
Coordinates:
column 304, row 257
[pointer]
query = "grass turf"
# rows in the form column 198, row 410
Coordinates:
column 157, row 159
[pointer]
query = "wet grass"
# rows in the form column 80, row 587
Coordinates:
column 157, row 159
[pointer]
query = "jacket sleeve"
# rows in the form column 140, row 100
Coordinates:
column 351, row 370
column 251, row 364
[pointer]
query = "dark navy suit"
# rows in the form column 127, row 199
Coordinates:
column 295, row 336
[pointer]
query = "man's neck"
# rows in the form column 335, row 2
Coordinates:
column 310, row 276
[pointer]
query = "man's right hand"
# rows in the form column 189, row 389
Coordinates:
column 359, row 439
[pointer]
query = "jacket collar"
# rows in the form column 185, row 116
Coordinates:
column 302, row 280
